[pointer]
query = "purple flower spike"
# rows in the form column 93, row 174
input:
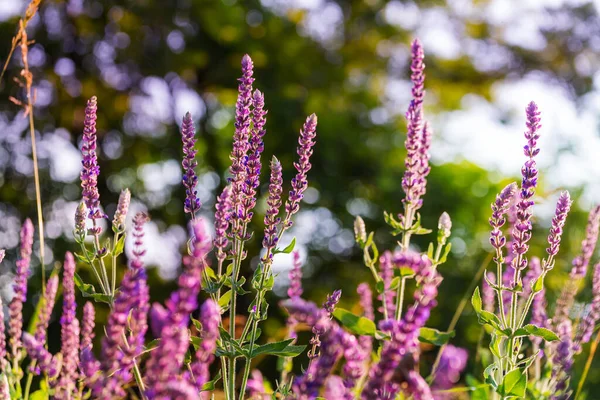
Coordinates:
column 50, row 365
column 256, row 385
column 222, row 219
column 15, row 307
column 387, row 275
column 167, row 359
column 91, row 170
column 189, row 163
column 122, row 208
column 300, row 183
column 488, row 293
column 69, row 330
column 418, row 135
column 46, row 310
column 581, row 262
column 210, row 316
column 254, row 152
column 521, row 231
column 354, row 369
column 366, row 303
column 586, row 327
column 241, row 137
column 295, row 289
column 563, row 362
column 87, row 331
column 3, row 361
column 558, row 222
column 499, row 209
column 309, row 384
column 335, row 389
column 403, row 347
column 332, row 300
column 273, row 205
column 130, row 310
column 452, row 363
column 539, row 315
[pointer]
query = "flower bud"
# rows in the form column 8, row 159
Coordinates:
column 80, row 215
column 121, row 213
column 360, row 231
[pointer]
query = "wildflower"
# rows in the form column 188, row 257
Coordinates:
column 581, row 262
column 563, row 362
column 579, row 268
column 80, row 216
column 241, row 137
column 307, row 386
column 558, row 221
column 46, row 310
column 122, row 208
column 256, row 147
column 354, row 368
column 3, row 362
column 360, row 231
column 210, row 317
column 306, row 141
column 521, row 231
column 404, row 333
column 295, row 289
column 69, row 330
column 256, row 385
column 418, row 137
column 366, row 303
column 87, row 331
column 444, row 225
column 488, row 293
column 167, row 359
column 452, row 362
column 15, row 307
column 36, row 351
column 222, row 220
column 190, row 180
column 91, row 170
column 130, row 309
column 387, row 274
column 497, row 220
column 273, row 203
column 586, row 327
column 334, row 388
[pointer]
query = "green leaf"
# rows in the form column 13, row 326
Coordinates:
column 514, row 384
column 543, row 333
column 435, row 337
column 430, row 251
column 476, row 300
column 197, row 324
column 210, row 385
column 380, row 287
column 395, row 283
column 275, row 348
column 354, row 323
column 538, row 284
column 39, row 395
column 88, row 290
column 403, row 272
column 288, row 249
column 119, row 246
column 210, row 272
column 495, row 345
column 485, row 317
column 488, row 375
column 444, row 256
column 225, row 299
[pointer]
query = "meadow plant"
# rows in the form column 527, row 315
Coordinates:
column 191, row 349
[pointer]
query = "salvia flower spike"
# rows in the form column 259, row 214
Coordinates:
column 91, row 170
column 122, row 208
column 69, row 330
column 521, row 231
column 306, row 141
column 15, row 307
column 189, row 163
column 273, row 205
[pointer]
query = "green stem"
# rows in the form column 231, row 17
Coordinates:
column 29, row 380
column 101, row 260
column 114, row 264
column 400, row 298
column 84, row 250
